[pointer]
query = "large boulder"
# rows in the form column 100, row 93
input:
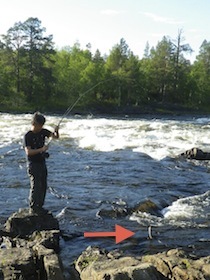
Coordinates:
column 23, row 223
column 29, row 246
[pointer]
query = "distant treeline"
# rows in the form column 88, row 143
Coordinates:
column 34, row 75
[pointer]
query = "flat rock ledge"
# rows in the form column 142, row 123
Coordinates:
column 175, row 264
column 29, row 247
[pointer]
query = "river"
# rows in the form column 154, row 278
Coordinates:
column 101, row 167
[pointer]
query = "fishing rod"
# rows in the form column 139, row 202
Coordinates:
column 67, row 112
column 71, row 107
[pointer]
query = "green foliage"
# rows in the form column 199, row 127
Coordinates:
column 34, row 75
column 201, row 75
column 27, row 60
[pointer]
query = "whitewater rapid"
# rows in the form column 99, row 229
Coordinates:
column 103, row 166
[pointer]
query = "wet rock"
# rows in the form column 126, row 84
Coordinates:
column 147, row 206
column 29, row 247
column 173, row 264
column 195, row 153
column 113, row 213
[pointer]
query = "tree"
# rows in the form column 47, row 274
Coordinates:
column 6, row 83
column 13, row 41
column 201, row 76
column 147, row 50
column 70, row 72
column 34, row 75
column 28, row 60
column 167, row 71
column 38, row 51
column 93, row 78
column 115, row 64
column 179, row 49
column 159, row 71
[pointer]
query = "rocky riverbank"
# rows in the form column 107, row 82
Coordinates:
column 29, row 247
column 96, row 264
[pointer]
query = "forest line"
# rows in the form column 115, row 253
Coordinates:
column 35, row 75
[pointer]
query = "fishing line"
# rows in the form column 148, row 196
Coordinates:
column 71, row 107
column 8, row 153
column 67, row 112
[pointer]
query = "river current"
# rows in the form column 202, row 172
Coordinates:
column 101, row 168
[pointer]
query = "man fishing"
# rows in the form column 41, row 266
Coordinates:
column 36, row 151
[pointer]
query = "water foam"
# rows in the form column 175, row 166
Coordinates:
column 193, row 207
column 157, row 138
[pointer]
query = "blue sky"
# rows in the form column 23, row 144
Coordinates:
column 102, row 23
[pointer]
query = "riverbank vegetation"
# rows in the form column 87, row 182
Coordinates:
column 34, row 75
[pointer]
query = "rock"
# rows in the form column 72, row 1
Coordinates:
column 90, row 255
column 123, row 271
column 50, row 261
column 24, row 223
column 49, row 239
column 147, row 206
column 114, row 212
column 195, row 153
column 96, row 264
column 162, row 266
column 16, row 263
column 29, row 246
column 175, row 264
column 53, row 267
column 205, row 264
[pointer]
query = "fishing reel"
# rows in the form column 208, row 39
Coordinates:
column 45, row 155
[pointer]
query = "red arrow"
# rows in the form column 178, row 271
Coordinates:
column 120, row 234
